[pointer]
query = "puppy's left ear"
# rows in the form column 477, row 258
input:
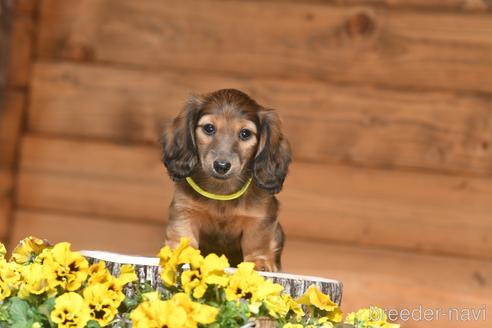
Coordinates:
column 273, row 156
column 179, row 153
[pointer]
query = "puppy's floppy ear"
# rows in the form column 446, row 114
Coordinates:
column 179, row 153
column 273, row 156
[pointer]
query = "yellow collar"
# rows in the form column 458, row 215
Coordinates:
column 207, row 194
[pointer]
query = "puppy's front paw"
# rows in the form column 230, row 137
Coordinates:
column 264, row 265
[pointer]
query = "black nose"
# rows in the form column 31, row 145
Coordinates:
column 222, row 167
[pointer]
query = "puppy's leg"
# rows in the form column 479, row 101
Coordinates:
column 262, row 243
column 179, row 226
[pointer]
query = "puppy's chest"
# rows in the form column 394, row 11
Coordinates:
column 225, row 220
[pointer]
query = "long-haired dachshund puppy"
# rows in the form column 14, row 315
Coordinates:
column 228, row 157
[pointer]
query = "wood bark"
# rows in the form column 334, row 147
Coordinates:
column 147, row 269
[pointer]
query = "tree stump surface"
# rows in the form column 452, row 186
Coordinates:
column 147, row 269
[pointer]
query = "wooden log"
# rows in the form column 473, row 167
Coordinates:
column 440, row 131
column 389, row 208
column 345, row 44
column 147, row 269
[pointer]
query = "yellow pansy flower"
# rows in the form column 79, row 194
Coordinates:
column 70, row 311
column 196, row 313
column 127, row 274
column 37, row 279
column 314, row 297
column 179, row 311
column 70, row 267
column 276, row 307
column 325, row 322
column 280, row 306
column 246, row 283
column 243, row 283
column 9, row 279
column 293, row 325
column 374, row 317
column 28, row 249
column 209, row 271
column 169, row 261
column 101, row 306
column 98, row 273
column 115, row 290
column 294, row 307
column 190, row 255
column 158, row 314
column 151, row 296
column 3, row 251
column 267, row 289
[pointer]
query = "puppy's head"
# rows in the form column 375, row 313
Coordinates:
column 227, row 135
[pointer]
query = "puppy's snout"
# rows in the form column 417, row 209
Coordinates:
column 222, row 167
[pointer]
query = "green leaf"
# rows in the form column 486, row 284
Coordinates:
column 20, row 313
column 128, row 305
column 231, row 314
column 4, row 313
column 92, row 324
column 47, row 307
column 43, row 314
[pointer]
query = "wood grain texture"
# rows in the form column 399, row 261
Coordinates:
column 355, row 44
column 325, row 123
column 5, row 31
column 438, row 5
column 10, row 126
column 25, row 7
column 294, row 285
column 89, row 232
column 6, row 192
column 400, row 280
column 94, row 179
column 20, row 51
column 413, row 211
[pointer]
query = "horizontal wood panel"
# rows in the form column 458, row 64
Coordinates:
column 397, row 280
column 10, row 125
column 26, row 7
column 90, row 233
column 440, row 5
column 374, row 127
column 21, row 47
column 358, row 44
column 429, row 213
column 6, row 192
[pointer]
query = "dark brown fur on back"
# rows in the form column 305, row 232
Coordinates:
column 245, row 228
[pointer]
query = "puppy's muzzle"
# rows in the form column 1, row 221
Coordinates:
column 222, row 167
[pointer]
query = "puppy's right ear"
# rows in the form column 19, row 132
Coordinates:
column 179, row 153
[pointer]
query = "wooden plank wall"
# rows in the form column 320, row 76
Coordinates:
column 387, row 104
column 17, row 43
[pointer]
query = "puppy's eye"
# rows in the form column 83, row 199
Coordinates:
column 245, row 134
column 209, row 129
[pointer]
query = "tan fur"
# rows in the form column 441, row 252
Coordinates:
column 245, row 228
